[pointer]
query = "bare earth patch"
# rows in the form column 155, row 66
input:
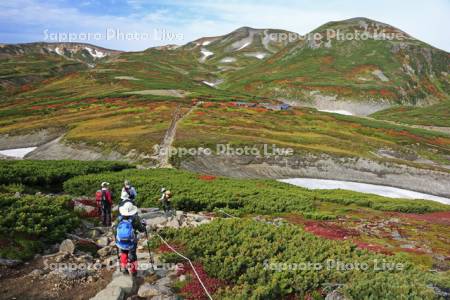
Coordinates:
column 172, row 93
column 126, row 78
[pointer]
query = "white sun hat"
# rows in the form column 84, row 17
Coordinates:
column 128, row 209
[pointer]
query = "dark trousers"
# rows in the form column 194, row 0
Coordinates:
column 166, row 206
column 106, row 215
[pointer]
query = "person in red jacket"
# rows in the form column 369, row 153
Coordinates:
column 104, row 203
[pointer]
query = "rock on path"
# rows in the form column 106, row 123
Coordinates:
column 122, row 285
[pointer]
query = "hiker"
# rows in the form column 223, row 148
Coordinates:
column 128, row 193
column 126, row 229
column 103, row 198
column 165, row 200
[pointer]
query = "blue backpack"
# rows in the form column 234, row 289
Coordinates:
column 125, row 233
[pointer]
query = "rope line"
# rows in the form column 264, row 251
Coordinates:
column 228, row 214
column 190, row 262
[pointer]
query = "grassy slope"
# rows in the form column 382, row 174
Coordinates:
column 195, row 192
column 21, row 73
column 306, row 130
column 434, row 115
column 95, row 107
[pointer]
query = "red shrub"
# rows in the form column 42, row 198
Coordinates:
column 207, row 177
column 373, row 248
column 329, row 230
column 208, row 104
column 434, row 218
column 193, row 289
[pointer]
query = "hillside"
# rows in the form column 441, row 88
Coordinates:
column 226, row 89
column 246, row 238
column 374, row 71
column 23, row 65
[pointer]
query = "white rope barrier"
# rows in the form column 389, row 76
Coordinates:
column 190, row 262
column 228, row 214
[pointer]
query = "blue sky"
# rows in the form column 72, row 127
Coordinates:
column 182, row 21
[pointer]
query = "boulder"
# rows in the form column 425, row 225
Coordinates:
column 151, row 215
column 84, row 209
column 70, row 274
column 95, row 233
column 163, row 282
column 335, row 295
column 67, row 246
column 113, row 293
column 9, row 262
column 156, row 221
column 85, row 258
column 103, row 241
column 148, row 290
column 105, row 251
column 37, row 273
column 125, row 282
column 173, row 224
column 164, row 297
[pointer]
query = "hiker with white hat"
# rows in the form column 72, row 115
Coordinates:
column 165, row 201
column 104, row 202
column 126, row 229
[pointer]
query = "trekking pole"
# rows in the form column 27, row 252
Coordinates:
column 117, row 251
column 150, row 256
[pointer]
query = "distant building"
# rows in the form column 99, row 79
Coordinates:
column 271, row 106
column 285, row 106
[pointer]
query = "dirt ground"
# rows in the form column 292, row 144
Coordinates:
column 19, row 284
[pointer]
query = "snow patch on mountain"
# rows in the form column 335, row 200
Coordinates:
column 243, row 46
column 258, row 55
column 206, row 53
column 245, row 42
column 380, row 75
column 337, row 111
column 228, row 60
column 18, row 152
column 58, row 51
column 213, row 83
column 95, row 53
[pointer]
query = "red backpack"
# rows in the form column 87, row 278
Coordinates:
column 100, row 198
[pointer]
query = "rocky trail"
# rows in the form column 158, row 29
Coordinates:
column 166, row 144
column 154, row 278
column 86, row 266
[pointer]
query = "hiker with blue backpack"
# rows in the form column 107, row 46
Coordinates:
column 126, row 229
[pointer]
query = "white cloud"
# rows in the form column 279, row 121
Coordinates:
column 196, row 19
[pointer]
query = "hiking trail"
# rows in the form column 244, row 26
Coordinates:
column 154, row 278
column 166, row 144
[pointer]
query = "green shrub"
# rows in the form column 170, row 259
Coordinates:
column 193, row 193
column 30, row 221
column 254, row 258
column 41, row 173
